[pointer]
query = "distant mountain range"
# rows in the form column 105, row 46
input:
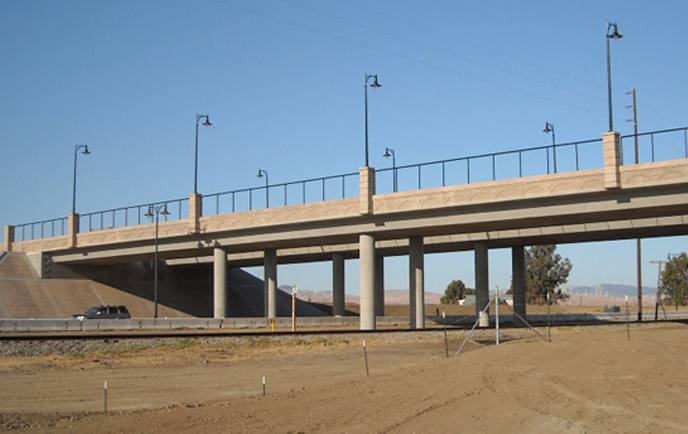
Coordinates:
column 401, row 297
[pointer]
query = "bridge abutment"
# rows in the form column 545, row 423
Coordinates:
column 9, row 237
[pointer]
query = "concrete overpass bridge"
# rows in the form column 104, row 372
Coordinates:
column 611, row 202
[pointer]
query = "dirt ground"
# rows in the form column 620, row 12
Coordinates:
column 587, row 380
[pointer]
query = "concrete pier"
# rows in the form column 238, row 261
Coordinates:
column 219, row 284
column 379, row 285
column 417, row 282
column 367, row 254
column 518, row 270
column 338, row 285
column 270, row 283
column 482, row 278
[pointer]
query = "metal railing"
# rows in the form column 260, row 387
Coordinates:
column 285, row 194
column 131, row 215
column 655, row 146
column 541, row 160
column 41, row 229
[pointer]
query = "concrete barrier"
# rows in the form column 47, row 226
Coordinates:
column 284, row 323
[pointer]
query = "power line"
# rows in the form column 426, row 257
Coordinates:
column 403, row 56
column 472, row 44
column 439, row 50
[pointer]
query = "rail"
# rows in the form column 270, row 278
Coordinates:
column 41, row 229
column 284, row 194
column 540, row 160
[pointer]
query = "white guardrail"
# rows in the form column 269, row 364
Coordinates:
column 284, row 323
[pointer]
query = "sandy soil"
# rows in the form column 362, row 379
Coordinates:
column 587, row 380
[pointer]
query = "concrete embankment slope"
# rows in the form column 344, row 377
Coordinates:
column 182, row 292
column 24, row 295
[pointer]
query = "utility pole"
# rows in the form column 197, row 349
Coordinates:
column 639, row 263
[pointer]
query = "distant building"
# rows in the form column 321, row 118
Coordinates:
column 468, row 301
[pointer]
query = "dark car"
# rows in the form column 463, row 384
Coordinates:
column 104, row 312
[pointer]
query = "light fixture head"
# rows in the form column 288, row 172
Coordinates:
column 375, row 84
column 149, row 214
column 260, row 173
column 613, row 31
column 548, row 128
column 388, row 153
column 207, row 122
column 164, row 211
column 85, row 151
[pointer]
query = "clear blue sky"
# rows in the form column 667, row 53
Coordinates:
column 282, row 81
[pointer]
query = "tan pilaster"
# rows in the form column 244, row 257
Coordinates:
column 9, row 237
column 195, row 212
column 612, row 159
column 73, row 222
column 367, row 190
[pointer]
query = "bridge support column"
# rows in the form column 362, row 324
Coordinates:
column 482, row 278
column 379, row 285
column 220, row 283
column 338, row 296
column 518, row 283
column 417, row 282
column 367, row 265
column 270, row 296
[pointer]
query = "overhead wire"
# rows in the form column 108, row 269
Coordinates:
column 471, row 44
column 496, row 52
column 403, row 56
column 440, row 50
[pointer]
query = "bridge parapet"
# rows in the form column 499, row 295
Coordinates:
column 370, row 184
column 612, row 159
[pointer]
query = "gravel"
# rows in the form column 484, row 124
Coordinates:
column 89, row 346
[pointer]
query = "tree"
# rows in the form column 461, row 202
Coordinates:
column 546, row 271
column 456, row 291
column 674, row 280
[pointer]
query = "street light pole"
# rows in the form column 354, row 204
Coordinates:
column 612, row 33
column 374, row 85
column 76, row 151
column 390, row 153
column 638, row 243
column 264, row 173
column 155, row 211
column 205, row 124
column 549, row 128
